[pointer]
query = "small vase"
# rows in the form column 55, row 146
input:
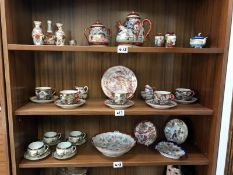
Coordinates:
column 49, row 37
column 60, row 35
column 37, row 34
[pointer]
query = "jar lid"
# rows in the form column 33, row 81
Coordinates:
column 133, row 15
column 97, row 24
column 199, row 36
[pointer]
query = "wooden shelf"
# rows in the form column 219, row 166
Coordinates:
column 21, row 47
column 97, row 107
column 88, row 156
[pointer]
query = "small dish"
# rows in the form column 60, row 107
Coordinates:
column 147, row 96
column 176, row 131
column 170, row 150
column 71, row 106
column 64, row 157
column 153, row 104
column 112, row 105
column 145, row 133
column 35, row 100
column 38, row 157
column 185, row 102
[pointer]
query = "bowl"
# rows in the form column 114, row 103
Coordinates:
column 146, row 96
column 113, row 144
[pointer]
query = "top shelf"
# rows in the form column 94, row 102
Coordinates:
column 22, row 47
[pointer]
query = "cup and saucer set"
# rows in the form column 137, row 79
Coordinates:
column 44, row 95
column 64, row 149
column 185, row 96
column 119, row 84
column 71, row 99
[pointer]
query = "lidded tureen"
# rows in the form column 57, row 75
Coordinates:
column 198, row 41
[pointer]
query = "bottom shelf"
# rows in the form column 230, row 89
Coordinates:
column 88, row 156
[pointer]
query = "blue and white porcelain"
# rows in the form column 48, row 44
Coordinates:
column 113, row 144
column 198, row 41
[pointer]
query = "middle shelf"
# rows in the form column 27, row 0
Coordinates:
column 95, row 107
column 88, row 156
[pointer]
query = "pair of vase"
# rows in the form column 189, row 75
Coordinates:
column 49, row 39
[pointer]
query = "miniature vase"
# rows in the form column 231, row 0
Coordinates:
column 37, row 34
column 60, row 35
column 49, row 37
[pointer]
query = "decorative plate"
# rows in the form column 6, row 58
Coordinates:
column 185, row 102
column 119, row 78
column 113, row 144
column 176, row 131
column 111, row 104
column 170, row 150
column 72, row 106
column 35, row 100
column 67, row 156
column 153, row 104
column 39, row 157
column 145, row 133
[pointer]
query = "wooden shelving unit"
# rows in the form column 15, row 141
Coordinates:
column 21, row 47
column 28, row 66
column 139, row 156
column 97, row 107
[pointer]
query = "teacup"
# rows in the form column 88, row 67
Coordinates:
column 82, row 91
column 37, row 148
column 148, row 89
column 184, row 94
column 68, row 97
column 44, row 93
column 120, row 97
column 51, row 137
column 163, row 97
column 77, row 137
column 65, row 148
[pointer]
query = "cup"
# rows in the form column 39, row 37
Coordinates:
column 163, row 97
column 37, row 148
column 148, row 89
column 44, row 93
column 51, row 137
column 82, row 91
column 76, row 137
column 72, row 42
column 65, row 148
column 159, row 40
column 68, row 97
column 170, row 40
column 120, row 97
column 184, row 94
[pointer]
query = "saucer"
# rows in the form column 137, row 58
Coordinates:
column 79, row 143
column 112, row 105
column 185, row 102
column 39, row 157
column 72, row 106
column 158, row 106
column 35, row 100
column 56, row 156
column 53, row 143
column 170, row 150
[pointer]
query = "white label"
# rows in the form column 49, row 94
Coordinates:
column 122, row 49
column 119, row 112
column 117, row 164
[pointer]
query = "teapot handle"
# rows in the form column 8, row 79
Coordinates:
column 86, row 33
column 150, row 26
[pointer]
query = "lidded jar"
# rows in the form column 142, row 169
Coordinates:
column 98, row 34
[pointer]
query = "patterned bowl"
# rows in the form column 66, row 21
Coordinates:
column 113, row 144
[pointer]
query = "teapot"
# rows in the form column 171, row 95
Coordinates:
column 97, row 34
column 198, row 41
column 133, row 32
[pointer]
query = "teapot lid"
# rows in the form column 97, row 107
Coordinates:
column 133, row 15
column 97, row 24
column 199, row 36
